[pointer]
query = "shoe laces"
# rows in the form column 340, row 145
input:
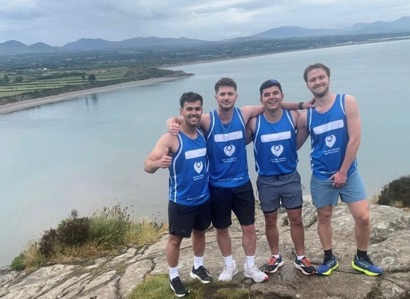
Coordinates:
column 177, row 282
column 306, row 261
column 272, row 261
column 328, row 260
column 366, row 260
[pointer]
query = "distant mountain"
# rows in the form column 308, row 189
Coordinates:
column 43, row 48
column 12, row 47
column 294, row 31
column 88, row 44
column 400, row 25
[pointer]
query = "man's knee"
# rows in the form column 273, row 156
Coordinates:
column 363, row 219
column 248, row 230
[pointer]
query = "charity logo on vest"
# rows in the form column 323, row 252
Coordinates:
column 229, row 150
column 330, row 140
column 198, row 166
column 277, row 150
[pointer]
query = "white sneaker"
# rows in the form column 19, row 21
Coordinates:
column 228, row 273
column 254, row 273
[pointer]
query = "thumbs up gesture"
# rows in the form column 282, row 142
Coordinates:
column 174, row 128
column 166, row 160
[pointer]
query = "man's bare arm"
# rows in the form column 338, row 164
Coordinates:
column 302, row 130
column 251, row 111
column 298, row 106
column 250, row 129
column 354, row 132
column 159, row 157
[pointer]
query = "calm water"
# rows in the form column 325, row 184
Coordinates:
column 89, row 152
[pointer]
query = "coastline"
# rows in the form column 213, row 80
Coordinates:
column 13, row 107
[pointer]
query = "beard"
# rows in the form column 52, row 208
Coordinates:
column 322, row 93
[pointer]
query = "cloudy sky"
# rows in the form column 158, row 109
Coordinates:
column 57, row 22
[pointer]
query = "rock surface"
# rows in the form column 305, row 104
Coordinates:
column 114, row 278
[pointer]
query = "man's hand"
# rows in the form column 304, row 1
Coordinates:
column 174, row 128
column 339, row 179
column 165, row 161
column 309, row 104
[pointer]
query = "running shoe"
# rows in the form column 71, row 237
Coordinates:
column 201, row 274
column 179, row 289
column 254, row 273
column 304, row 266
column 228, row 273
column 329, row 264
column 366, row 266
column 273, row 264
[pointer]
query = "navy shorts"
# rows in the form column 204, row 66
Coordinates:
column 182, row 219
column 280, row 190
column 240, row 200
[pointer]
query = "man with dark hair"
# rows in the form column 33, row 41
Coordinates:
column 335, row 131
column 189, row 207
column 274, row 139
column 229, row 183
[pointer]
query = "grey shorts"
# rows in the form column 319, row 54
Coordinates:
column 280, row 191
column 324, row 194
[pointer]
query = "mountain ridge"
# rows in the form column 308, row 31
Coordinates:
column 94, row 44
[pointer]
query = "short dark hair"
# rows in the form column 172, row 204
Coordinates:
column 225, row 82
column 270, row 83
column 313, row 67
column 190, row 97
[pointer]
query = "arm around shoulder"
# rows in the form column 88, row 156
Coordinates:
column 302, row 130
column 250, row 130
column 251, row 111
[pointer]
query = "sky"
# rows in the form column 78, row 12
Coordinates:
column 58, row 22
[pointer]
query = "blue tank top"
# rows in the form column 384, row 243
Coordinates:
column 274, row 145
column 226, row 149
column 188, row 174
column 329, row 137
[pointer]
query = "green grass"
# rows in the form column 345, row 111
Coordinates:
column 106, row 232
column 32, row 82
column 157, row 286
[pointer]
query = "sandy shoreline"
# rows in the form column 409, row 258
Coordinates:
column 12, row 107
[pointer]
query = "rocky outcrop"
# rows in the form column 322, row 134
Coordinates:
column 114, row 278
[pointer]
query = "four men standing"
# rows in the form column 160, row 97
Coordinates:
column 334, row 126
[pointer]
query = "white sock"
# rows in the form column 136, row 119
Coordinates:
column 173, row 272
column 299, row 257
column 228, row 261
column 276, row 255
column 198, row 261
column 250, row 260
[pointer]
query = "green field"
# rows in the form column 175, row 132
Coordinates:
column 46, row 80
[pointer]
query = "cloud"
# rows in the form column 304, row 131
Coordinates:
column 57, row 22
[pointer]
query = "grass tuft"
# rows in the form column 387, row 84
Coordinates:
column 106, row 232
column 157, row 286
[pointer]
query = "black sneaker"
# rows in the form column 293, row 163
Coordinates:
column 304, row 266
column 201, row 274
column 273, row 264
column 179, row 289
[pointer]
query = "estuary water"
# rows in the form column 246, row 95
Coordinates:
column 88, row 153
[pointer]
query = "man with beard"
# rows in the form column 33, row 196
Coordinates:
column 189, row 207
column 335, row 131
